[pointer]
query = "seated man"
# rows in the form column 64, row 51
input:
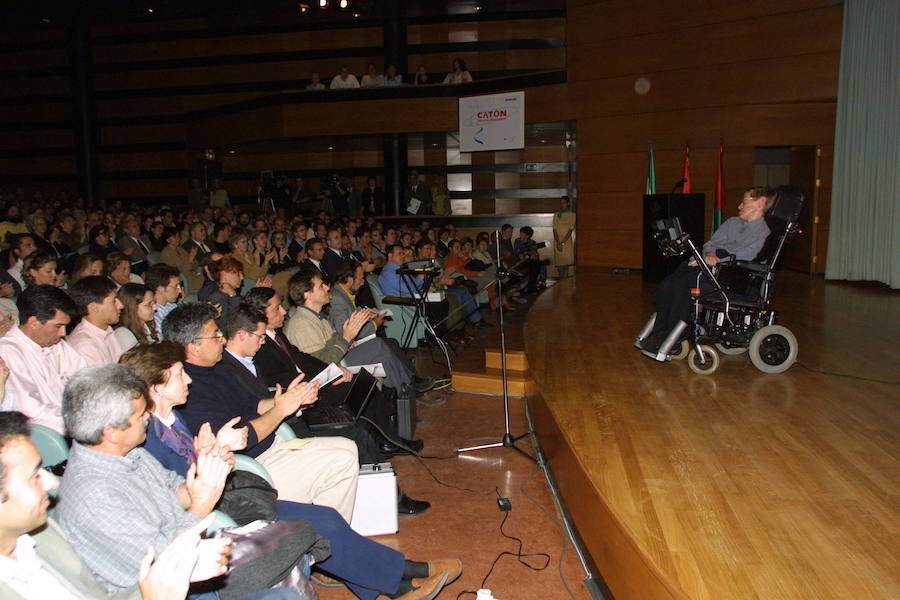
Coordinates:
column 310, row 330
column 526, row 251
column 37, row 562
column 324, row 471
column 93, row 337
column 165, row 283
column 40, row 361
column 348, row 280
column 742, row 236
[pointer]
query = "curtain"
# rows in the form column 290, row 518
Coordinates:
column 864, row 238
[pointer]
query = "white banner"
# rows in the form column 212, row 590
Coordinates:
column 492, row 122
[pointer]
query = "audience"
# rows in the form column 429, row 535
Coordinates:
column 458, row 73
column 137, row 323
column 344, row 79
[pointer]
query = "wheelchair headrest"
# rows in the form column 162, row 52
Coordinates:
column 788, row 204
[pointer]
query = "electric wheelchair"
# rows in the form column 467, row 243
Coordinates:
column 735, row 316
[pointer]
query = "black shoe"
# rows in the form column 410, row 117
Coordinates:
column 651, row 343
column 407, row 507
column 422, row 384
column 482, row 325
column 389, row 449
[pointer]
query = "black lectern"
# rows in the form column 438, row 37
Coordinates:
column 690, row 210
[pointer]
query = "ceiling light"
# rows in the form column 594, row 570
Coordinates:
column 45, row 20
column 477, row 8
column 543, row 141
column 356, row 15
column 331, row 147
column 434, row 145
column 303, row 7
column 150, row 10
column 345, row 3
column 323, row 3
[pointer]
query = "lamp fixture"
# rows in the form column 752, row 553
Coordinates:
column 345, row 4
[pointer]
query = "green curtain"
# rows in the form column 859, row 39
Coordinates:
column 864, row 238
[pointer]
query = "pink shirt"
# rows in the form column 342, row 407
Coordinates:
column 38, row 375
column 97, row 346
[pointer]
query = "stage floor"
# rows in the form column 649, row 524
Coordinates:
column 737, row 485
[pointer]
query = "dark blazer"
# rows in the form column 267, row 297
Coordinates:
column 294, row 248
column 308, row 264
column 372, row 201
column 273, row 365
column 331, row 261
column 192, row 244
column 250, row 382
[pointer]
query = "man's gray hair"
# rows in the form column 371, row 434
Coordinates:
column 98, row 396
column 185, row 323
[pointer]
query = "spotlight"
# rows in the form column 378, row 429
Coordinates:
column 150, row 10
column 323, row 3
column 331, row 147
column 303, row 7
column 356, row 15
column 345, row 3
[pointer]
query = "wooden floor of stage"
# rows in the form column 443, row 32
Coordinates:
column 737, row 485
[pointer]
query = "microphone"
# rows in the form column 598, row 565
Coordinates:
column 680, row 183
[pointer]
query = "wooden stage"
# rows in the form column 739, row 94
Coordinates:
column 737, row 485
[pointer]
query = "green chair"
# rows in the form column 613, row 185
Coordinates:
column 220, row 521
column 245, row 463
column 285, row 432
column 397, row 325
column 51, row 446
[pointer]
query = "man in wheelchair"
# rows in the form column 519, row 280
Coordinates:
column 740, row 237
column 722, row 295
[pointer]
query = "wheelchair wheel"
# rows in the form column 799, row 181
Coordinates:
column 680, row 352
column 730, row 351
column 773, row 349
column 711, row 358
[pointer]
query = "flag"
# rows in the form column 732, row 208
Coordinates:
column 686, row 170
column 651, row 172
column 720, row 189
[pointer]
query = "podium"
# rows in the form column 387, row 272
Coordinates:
column 690, row 210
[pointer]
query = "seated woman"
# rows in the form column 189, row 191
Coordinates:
column 255, row 263
column 137, row 324
column 86, row 265
column 40, row 268
column 226, row 276
column 100, row 242
column 281, row 258
column 366, row 567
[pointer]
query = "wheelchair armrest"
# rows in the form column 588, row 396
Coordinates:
column 751, row 266
column 400, row 300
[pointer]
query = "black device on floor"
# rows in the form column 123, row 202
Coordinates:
column 347, row 412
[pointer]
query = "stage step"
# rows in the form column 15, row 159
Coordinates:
column 491, row 383
column 516, row 360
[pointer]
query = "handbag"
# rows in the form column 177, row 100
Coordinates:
column 269, row 554
column 248, row 497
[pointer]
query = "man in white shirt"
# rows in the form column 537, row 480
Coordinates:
column 40, row 361
column 345, row 79
column 93, row 338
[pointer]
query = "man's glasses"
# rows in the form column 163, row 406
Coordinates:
column 216, row 336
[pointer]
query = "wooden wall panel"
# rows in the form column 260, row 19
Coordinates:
column 440, row 33
column 244, row 44
column 283, row 161
column 45, row 57
column 494, row 60
column 762, row 38
column 24, row 86
column 754, row 74
column 592, row 20
column 141, row 161
column 24, row 113
column 45, row 138
column 37, row 165
column 135, row 134
column 124, row 188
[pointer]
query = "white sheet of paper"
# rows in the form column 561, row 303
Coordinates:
column 377, row 369
column 414, row 205
column 363, row 340
column 328, row 374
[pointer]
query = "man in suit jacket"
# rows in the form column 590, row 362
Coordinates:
column 418, row 190
column 298, row 240
column 334, row 254
column 315, row 253
column 198, row 240
column 134, row 246
column 372, row 199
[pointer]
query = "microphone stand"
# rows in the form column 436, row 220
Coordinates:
column 507, row 440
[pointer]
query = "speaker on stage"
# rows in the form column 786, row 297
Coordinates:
column 690, row 210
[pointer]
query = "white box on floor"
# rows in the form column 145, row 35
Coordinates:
column 375, row 510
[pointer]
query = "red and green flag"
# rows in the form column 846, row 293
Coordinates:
column 651, row 172
column 686, row 170
column 720, row 189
